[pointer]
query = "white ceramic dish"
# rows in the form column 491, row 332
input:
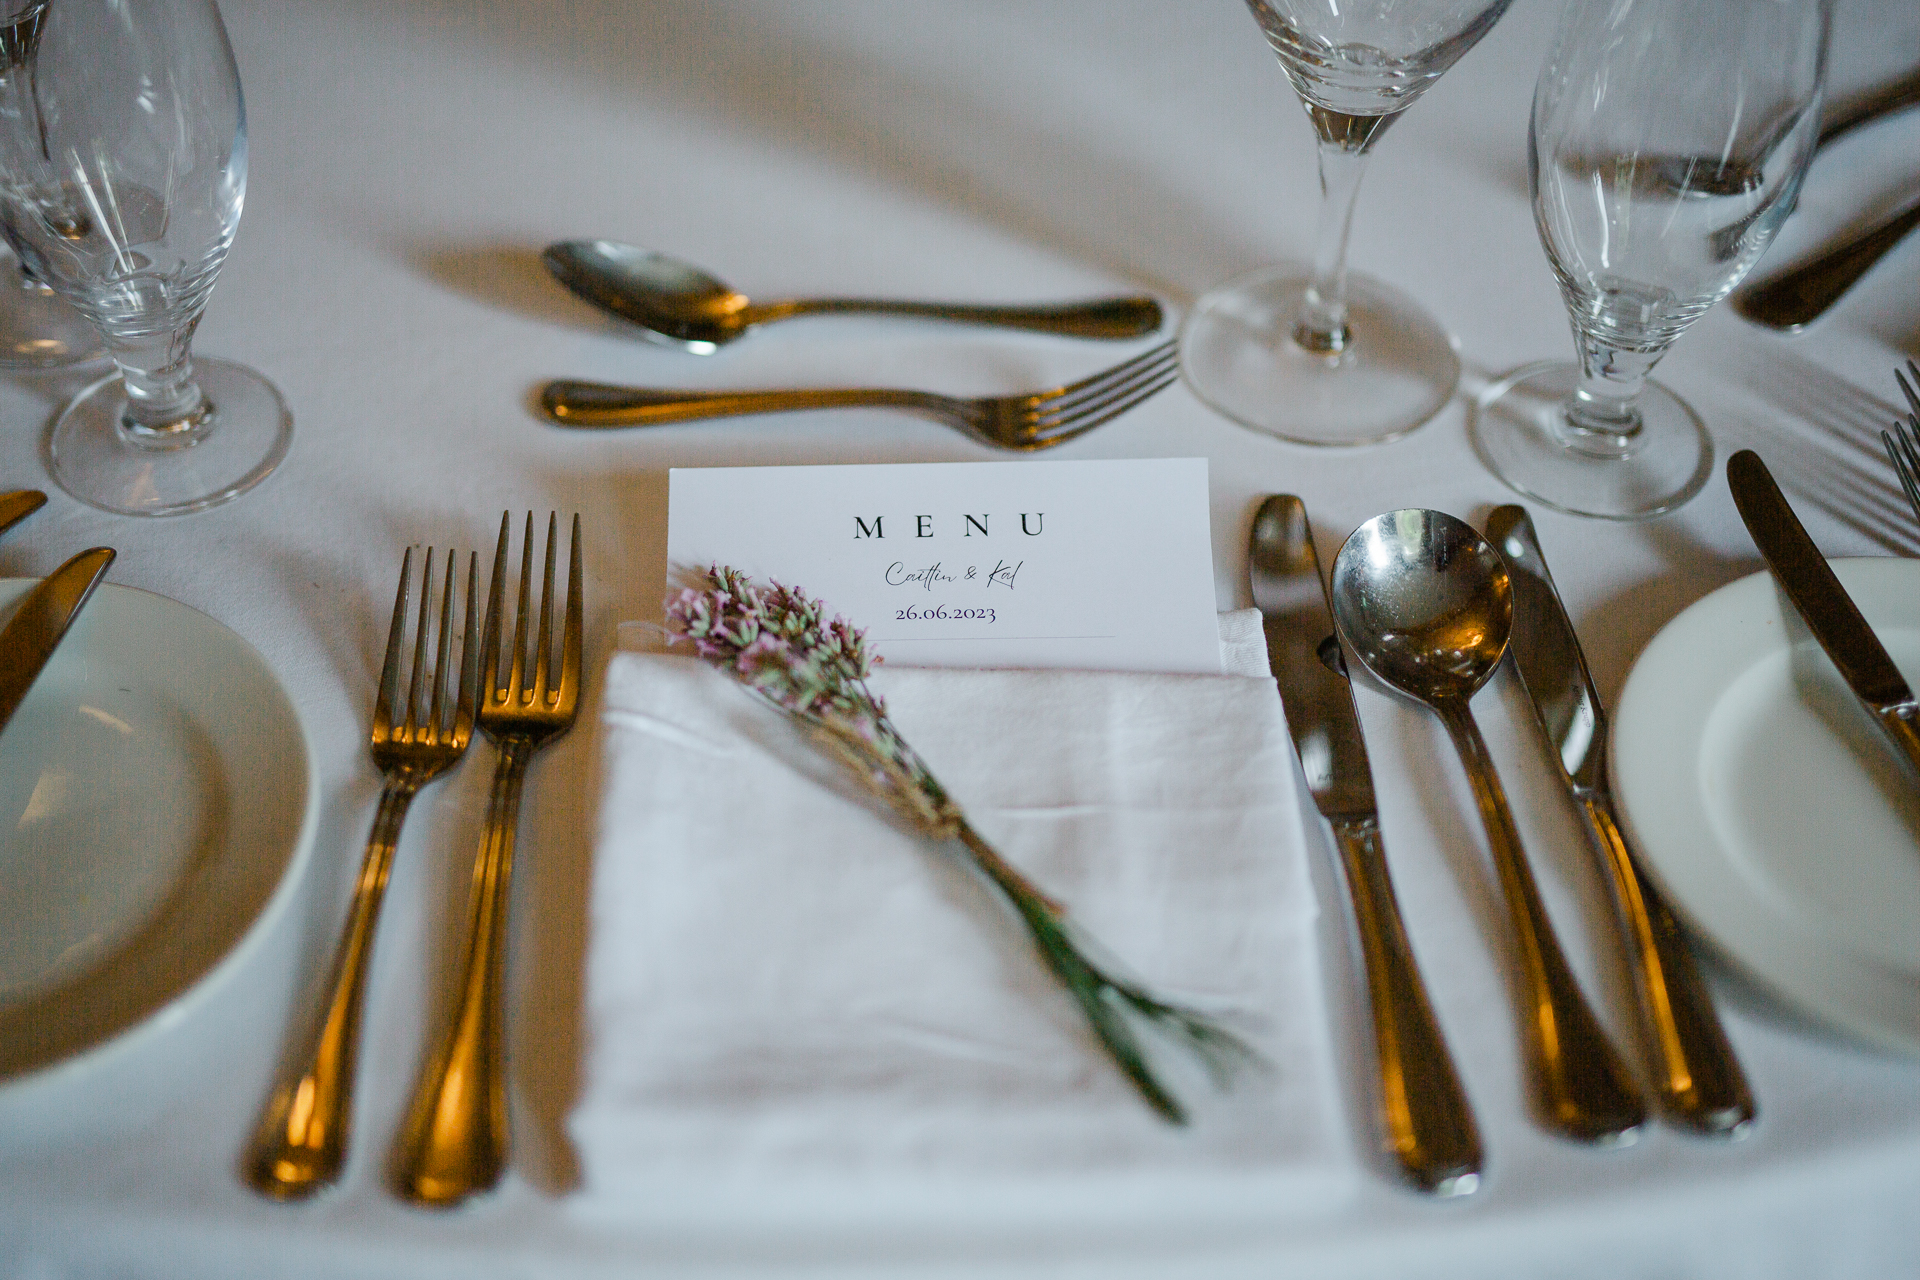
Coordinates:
column 1768, row 804
column 156, row 792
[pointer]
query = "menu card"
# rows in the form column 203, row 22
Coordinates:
column 1097, row 565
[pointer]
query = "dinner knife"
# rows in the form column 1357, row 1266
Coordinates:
column 1698, row 1079
column 1428, row 1125
column 18, row 505
column 34, row 631
column 1803, row 573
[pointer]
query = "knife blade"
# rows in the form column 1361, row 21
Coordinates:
column 1700, row 1082
column 1823, row 604
column 34, row 631
column 18, row 505
column 1427, row 1122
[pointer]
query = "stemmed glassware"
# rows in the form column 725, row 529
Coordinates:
column 1315, row 354
column 1669, row 139
column 123, row 163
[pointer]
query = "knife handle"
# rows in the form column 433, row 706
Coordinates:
column 1429, row 1125
column 1898, row 721
column 1699, row 1081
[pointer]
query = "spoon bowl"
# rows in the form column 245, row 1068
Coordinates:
column 678, row 304
column 1427, row 604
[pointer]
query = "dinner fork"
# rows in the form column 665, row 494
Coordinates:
column 1903, row 442
column 1039, row 420
column 301, row 1141
column 455, row 1140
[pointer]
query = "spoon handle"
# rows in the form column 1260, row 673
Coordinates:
column 1112, row 318
column 1584, row 1088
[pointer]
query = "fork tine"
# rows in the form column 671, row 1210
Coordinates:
column 516, row 682
column 490, row 632
column 1905, row 456
column 571, row 641
column 390, row 669
column 463, row 707
column 1126, row 391
column 1105, row 376
column 543, row 659
column 437, row 714
column 410, row 730
column 1913, row 397
column 1065, row 429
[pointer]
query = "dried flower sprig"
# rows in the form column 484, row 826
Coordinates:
column 778, row 642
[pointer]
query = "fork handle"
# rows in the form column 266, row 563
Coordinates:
column 600, row 404
column 301, row 1141
column 455, row 1140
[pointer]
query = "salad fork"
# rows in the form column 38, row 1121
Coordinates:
column 455, row 1140
column 1903, row 442
column 301, row 1142
column 1039, row 420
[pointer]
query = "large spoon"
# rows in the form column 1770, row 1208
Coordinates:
column 1427, row 605
column 680, row 305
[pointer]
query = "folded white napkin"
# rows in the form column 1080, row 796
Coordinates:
column 784, row 985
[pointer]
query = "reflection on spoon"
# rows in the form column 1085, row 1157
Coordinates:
column 1426, row 604
column 680, row 305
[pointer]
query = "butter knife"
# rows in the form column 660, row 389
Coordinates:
column 1803, row 573
column 34, row 631
column 1699, row 1081
column 18, row 505
column 1428, row 1125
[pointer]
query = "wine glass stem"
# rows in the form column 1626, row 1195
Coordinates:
column 1322, row 326
column 1600, row 418
column 165, row 406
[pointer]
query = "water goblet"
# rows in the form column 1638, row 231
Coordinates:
column 1668, row 142
column 123, row 162
column 1317, row 355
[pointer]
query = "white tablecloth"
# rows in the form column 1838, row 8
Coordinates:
column 410, row 158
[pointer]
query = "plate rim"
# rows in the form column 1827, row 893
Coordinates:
column 1837, row 989
column 250, row 936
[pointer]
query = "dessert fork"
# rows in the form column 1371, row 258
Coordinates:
column 455, row 1140
column 1903, row 442
column 301, row 1142
column 1022, row 422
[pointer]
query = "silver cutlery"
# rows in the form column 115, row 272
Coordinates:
column 1426, row 604
column 1897, row 95
column 455, row 1139
column 19, row 504
column 36, row 628
column 677, row 304
column 300, row 1143
column 1039, row 420
column 1903, row 442
column 1423, row 1111
column 1697, row 1078
column 1820, row 600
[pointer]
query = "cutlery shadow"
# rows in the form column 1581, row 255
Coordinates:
column 1822, row 436
column 508, row 277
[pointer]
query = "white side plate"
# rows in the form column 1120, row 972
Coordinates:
column 1780, row 821
column 155, row 794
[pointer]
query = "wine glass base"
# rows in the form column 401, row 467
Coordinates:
column 38, row 330
column 1516, row 431
column 93, row 458
column 1238, row 354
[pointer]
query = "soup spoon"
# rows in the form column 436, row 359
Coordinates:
column 1427, row 605
column 680, row 305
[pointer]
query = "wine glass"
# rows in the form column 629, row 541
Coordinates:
column 1668, row 143
column 38, row 330
column 123, row 162
column 1318, row 355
